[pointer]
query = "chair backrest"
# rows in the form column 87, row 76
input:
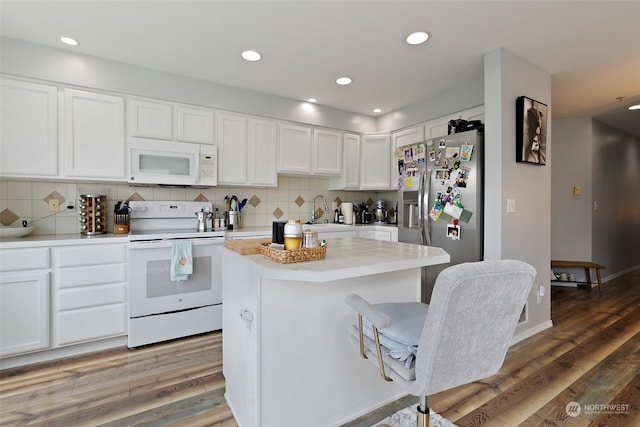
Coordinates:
column 469, row 327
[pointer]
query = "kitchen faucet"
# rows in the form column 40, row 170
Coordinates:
column 314, row 217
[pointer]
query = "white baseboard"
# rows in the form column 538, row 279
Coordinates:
column 531, row 332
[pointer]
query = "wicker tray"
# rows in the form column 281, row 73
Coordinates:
column 296, row 255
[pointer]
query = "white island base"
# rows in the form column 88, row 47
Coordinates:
column 286, row 357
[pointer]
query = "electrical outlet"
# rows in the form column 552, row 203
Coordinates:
column 54, row 205
column 71, row 204
column 511, row 205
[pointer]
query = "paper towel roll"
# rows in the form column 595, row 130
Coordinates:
column 347, row 212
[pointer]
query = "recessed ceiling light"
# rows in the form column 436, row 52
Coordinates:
column 251, row 55
column 342, row 81
column 635, row 107
column 312, row 100
column 417, row 37
column 69, row 41
column 377, row 110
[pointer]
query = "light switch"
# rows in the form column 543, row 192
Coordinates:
column 577, row 190
column 511, row 205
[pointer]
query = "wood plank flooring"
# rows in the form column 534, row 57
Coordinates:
column 591, row 356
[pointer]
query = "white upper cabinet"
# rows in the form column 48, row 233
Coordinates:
column 295, row 148
column 350, row 177
column 327, row 152
column 263, row 152
column 232, row 149
column 438, row 127
column 195, row 124
column 375, row 166
column 94, row 135
column 408, row 136
column 150, row 119
column 29, row 129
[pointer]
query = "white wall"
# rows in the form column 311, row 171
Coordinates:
column 570, row 213
column 23, row 59
column 525, row 233
column 605, row 162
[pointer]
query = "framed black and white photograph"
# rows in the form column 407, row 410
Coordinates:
column 531, row 131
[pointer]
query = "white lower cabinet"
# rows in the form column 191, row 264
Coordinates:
column 24, row 300
column 90, row 290
column 376, row 234
column 24, row 312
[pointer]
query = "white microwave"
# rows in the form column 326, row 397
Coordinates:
column 154, row 162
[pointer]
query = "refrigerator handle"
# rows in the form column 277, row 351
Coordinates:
column 423, row 194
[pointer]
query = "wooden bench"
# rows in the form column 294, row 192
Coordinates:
column 587, row 265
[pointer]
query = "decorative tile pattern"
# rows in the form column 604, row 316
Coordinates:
column 55, row 195
column 136, row 197
column 319, row 213
column 254, row 201
column 7, row 217
column 299, row 201
column 338, row 201
column 370, row 201
column 201, row 198
column 278, row 213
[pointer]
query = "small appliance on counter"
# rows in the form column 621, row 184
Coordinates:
column 380, row 213
column 93, row 214
column 365, row 215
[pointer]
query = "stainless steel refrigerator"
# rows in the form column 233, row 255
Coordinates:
column 440, row 198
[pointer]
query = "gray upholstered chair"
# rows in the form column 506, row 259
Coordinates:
column 460, row 337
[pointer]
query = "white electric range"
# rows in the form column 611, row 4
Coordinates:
column 160, row 308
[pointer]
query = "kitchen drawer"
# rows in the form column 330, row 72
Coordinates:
column 91, row 324
column 73, row 256
column 91, row 296
column 24, row 259
column 90, row 275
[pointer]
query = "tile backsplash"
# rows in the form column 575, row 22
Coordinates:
column 292, row 199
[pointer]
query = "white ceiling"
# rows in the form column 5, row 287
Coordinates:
column 590, row 48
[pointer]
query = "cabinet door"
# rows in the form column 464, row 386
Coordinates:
column 150, row 119
column 29, row 130
column 94, row 135
column 408, row 136
column 294, row 149
column 263, row 152
column 196, row 125
column 327, row 152
column 375, row 166
column 350, row 178
column 232, row 149
column 24, row 312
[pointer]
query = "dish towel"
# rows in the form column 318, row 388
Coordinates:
column 181, row 260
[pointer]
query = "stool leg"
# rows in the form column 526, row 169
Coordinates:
column 588, row 274
column 422, row 419
column 599, row 280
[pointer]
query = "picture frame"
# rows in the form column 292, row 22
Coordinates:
column 531, row 131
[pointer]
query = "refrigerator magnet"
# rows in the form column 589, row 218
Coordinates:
column 452, row 152
column 453, row 231
column 465, row 152
column 432, row 154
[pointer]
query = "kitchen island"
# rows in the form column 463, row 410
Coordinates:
column 286, row 357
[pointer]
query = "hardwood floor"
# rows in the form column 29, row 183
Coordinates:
column 590, row 356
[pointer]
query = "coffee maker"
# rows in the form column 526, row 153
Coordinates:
column 365, row 215
column 380, row 213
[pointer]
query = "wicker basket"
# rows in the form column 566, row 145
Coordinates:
column 296, row 255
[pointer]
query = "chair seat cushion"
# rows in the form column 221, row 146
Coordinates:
column 402, row 337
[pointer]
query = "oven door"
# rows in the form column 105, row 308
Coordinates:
column 151, row 290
